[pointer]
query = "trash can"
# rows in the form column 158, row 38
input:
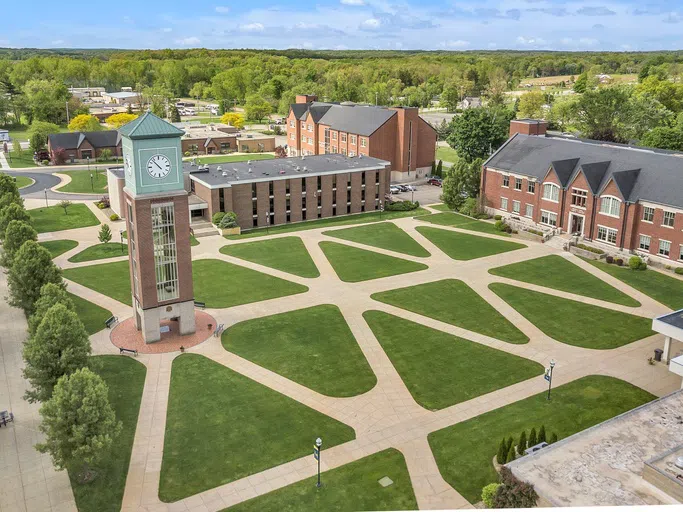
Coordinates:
column 658, row 354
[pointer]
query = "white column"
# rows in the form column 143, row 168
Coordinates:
column 667, row 349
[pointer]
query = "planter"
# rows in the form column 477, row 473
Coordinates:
column 525, row 235
column 229, row 231
column 586, row 254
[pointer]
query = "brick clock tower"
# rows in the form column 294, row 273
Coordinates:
column 158, row 221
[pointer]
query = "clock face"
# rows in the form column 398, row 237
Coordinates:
column 158, row 166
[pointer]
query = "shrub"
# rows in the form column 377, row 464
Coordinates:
column 482, row 216
column 502, row 451
column 488, row 493
column 553, row 438
column 679, row 270
column 45, row 162
column 619, row 262
column 401, row 206
column 229, row 220
column 643, row 266
column 668, row 267
column 470, row 207
column 500, row 225
column 100, row 205
column 513, row 493
column 113, row 216
column 187, row 153
column 535, row 232
column 497, row 217
column 591, row 249
column 541, row 434
column 509, row 444
column 512, row 455
column 521, row 446
column 609, row 259
column 105, row 202
column 634, row 262
column 532, row 438
column 217, row 218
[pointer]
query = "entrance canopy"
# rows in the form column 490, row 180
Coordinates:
column 671, row 326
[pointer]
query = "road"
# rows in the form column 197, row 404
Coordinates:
column 44, row 179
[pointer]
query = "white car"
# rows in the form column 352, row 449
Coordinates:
column 394, row 190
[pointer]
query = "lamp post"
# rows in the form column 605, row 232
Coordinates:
column 381, row 209
column 316, row 454
column 549, row 376
column 267, row 222
column 121, row 235
column 45, row 191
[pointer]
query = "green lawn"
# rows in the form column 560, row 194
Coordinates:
column 561, row 274
column 222, row 426
column 92, row 315
column 442, row 207
column 217, row 283
column 353, row 265
column 573, row 322
column 52, row 218
column 449, row 218
column 21, row 161
column 291, row 344
column 455, row 303
column 357, row 218
column 100, row 252
column 446, row 154
column 288, row 254
column 57, row 247
column 80, row 181
column 384, row 235
column 23, row 181
column 221, row 159
column 662, row 288
column 464, row 452
column 350, row 488
column 463, row 246
column 193, row 241
column 126, row 379
column 440, row 369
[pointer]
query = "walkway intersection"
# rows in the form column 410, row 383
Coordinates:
column 386, row 416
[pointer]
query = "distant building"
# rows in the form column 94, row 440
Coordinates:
column 87, row 92
column 122, row 98
column 4, row 136
column 470, row 102
column 81, row 146
column 210, row 139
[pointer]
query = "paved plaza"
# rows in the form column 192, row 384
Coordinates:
column 385, row 417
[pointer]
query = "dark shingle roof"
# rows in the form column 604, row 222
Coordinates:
column 564, row 169
column 595, row 173
column 359, row 119
column 73, row 140
column 660, row 176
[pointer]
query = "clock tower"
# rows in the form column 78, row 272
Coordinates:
column 158, row 220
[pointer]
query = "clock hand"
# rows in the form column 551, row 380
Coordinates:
column 155, row 163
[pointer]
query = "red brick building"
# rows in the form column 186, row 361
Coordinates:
column 80, row 146
column 623, row 197
column 397, row 134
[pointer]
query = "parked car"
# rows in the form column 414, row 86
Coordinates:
column 411, row 188
column 394, row 189
column 402, row 188
column 435, row 181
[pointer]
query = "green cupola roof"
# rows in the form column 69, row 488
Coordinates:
column 149, row 126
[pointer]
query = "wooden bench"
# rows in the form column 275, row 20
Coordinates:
column 128, row 351
column 110, row 321
column 200, row 305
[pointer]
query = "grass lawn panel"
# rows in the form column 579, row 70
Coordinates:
column 193, row 241
column 52, row 218
column 449, row 218
column 442, row 207
column 573, row 322
column 463, row 246
column 100, row 252
column 662, row 288
column 447, row 154
column 126, row 379
column 349, row 488
column 288, row 254
column 291, row 345
column 455, row 303
column 80, row 182
column 23, row 181
column 384, row 235
column 440, row 369
column 222, row 426
column 92, row 315
column 464, row 452
column 342, row 220
column 561, row 274
column 110, row 279
column 21, row 161
column 57, row 247
column 353, row 265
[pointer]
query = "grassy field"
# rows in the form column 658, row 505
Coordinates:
column 462, row 246
column 110, row 279
column 449, row 218
column 441, row 370
column 349, row 488
column 92, row 315
column 288, row 254
column 100, row 252
column 561, row 274
column 464, row 452
column 21, row 133
column 384, row 235
column 52, row 218
column 23, row 181
column 573, row 322
column 455, row 303
column 442, row 207
column 80, row 182
column 125, row 378
column 291, row 345
column 222, row 426
column 22, row 161
column 222, row 159
column 357, row 218
column 353, row 265
column 446, row 154
column 662, row 288
column 57, row 247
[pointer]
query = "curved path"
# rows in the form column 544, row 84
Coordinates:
column 46, row 180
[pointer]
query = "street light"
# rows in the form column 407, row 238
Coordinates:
column 316, row 454
column 267, row 222
column 45, row 191
column 549, row 376
column 121, row 234
column 381, row 209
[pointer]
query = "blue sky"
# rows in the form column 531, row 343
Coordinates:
column 346, row 24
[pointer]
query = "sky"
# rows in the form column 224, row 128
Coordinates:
column 618, row 25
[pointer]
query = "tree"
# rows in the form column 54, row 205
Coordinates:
column 498, row 84
column 443, row 130
column 84, row 123
column 462, row 181
column 17, row 232
column 256, row 108
column 513, row 493
column 50, row 294
column 16, row 147
column 553, row 438
column 562, row 113
column 531, row 105
column 521, row 446
column 532, row 438
column 105, row 154
column 105, row 234
column 501, row 456
column 58, row 156
column 60, row 346
column 229, row 220
column 79, row 423
column 38, row 133
column 64, row 204
column 118, row 120
column 13, row 211
column 173, row 114
column 541, row 434
column 233, row 119
column 46, row 100
column 664, row 137
column 8, row 185
column 511, row 454
column 581, row 83
column 603, row 114
column 32, row 268
column 280, row 152
column 479, row 131
column 439, row 169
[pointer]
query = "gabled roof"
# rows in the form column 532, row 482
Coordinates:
column 625, row 181
column 74, row 140
column 595, row 173
column 564, row 169
column 149, row 126
column 358, row 119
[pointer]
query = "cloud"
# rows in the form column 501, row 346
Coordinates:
column 252, row 27
column 167, row 30
column 352, row 2
column 221, row 9
column 530, row 41
column 188, row 41
column 598, row 26
column 370, row 24
column 595, row 11
column 553, row 11
column 455, row 44
column 57, row 42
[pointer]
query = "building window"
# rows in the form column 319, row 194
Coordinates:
column 579, row 197
column 270, row 188
column 303, row 184
column 529, row 212
column 292, row 124
column 503, row 203
column 551, row 192
column 343, row 151
column 291, row 136
column 353, row 139
column 320, row 182
column 610, row 206
column 608, row 235
column 664, row 248
column 221, row 199
column 669, row 219
column 310, row 141
column 680, row 252
column 644, row 243
column 310, row 127
column 343, row 137
column 531, row 187
column 226, row 145
column 516, row 206
column 303, row 125
column 548, row 218
column 352, row 153
column 506, row 180
column 518, row 183
column 334, row 135
column 303, row 138
column 363, row 142
column 287, row 184
column 253, row 190
column 648, row 214
column 165, row 257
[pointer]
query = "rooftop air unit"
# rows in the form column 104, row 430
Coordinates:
column 224, row 174
column 305, row 169
column 219, row 168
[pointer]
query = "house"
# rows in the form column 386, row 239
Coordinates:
column 122, row 98
column 397, row 134
column 81, row 146
column 623, row 198
column 470, row 102
column 87, row 92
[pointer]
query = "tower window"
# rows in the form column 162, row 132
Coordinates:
column 165, row 255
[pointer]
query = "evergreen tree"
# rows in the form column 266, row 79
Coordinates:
column 50, row 294
column 522, row 443
column 11, row 212
column 532, row 438
column 105, row 234
column 433, row 173
column 439, row 169
column 8, row 185
column 511, row 454
column 553, row 438
column 31, row 269
column 509, row 444
column 174, row 114
column 501, row 456
column 541, row 434
column 17, row 232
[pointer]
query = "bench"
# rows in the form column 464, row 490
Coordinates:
column 128, row 351
column 218, row 331
column 200, row 305
column 110, row 321
column 6, row 418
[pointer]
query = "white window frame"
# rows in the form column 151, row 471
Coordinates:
column 659, row 249
column 609, row 232
column 641, row 244
column 516, row 206
column 504, row 203
column 648, row 210
column 673, row 219
column 529, row 210
column 303, row 138
column 555, row 190
column 548, row 216
column 165, row 251
column 529, row 186
column 291, row 136
column 506, row 180
column 363, row 142
column 579, row 192
column 611, row 201
column 310, row 140
column 292, row 123
column 353, row 140
column 334, row 135
column 310, row 127
column 343, row 137
column 518, row 181
column 680, row 252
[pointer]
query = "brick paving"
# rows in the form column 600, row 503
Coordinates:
column 386, row 416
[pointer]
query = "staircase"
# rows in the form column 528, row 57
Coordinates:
column 201, row 229
column 559, row 241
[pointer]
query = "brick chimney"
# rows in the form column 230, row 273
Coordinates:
column 406, row 147
column 528, row 127
column 306, row 98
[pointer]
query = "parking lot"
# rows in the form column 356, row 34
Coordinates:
column 425, row 193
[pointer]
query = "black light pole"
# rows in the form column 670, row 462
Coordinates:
column 549, row 377
column 267, row 222
column 121, row 235
column 318, row 444
column 381, row 209
column 45, row 191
